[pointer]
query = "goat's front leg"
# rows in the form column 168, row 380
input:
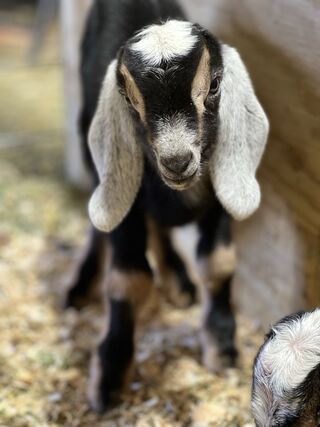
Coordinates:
column 128, row 286
column 217, row 262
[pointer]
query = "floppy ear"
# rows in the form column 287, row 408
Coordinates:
column 117, row 156
column 243, row 132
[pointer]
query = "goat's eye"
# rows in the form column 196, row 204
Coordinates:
column 124, row 94
column 210, row 102
column 215, row 86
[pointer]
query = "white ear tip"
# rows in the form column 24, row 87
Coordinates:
column 98, row 212
column 241, row 200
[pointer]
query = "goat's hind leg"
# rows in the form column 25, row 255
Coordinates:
column 217, row 263
column 89, row 271
column 128, row 287
column 170, row 268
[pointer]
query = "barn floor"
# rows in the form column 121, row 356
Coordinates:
column 44, row 351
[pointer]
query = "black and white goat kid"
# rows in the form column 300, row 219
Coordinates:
column 176, row 136
column 286, row 376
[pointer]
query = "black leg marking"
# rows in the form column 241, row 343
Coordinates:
column 220, row 326
column 128, row 242
column 215, row 228
column 217, row 256
column 89, row 271
column 128, row 287
column 114, row 355
column 186, row 292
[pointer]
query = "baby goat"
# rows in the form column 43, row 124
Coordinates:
column 176, row 136
column 286, row 376
column 98, row 49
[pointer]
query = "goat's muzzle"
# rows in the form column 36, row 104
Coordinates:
column 178, row 171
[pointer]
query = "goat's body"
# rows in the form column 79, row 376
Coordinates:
column 110, row 24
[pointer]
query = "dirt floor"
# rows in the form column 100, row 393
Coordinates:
column 44, row 351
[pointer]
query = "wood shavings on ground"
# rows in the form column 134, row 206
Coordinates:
column 45, row 353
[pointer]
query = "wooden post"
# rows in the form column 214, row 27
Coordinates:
column 279, row 247
column 72, row 18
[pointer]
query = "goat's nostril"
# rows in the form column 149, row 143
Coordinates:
column 177, row 163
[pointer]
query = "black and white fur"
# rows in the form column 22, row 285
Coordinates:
column 176, row 136
column 286, row 375
column 99, row 47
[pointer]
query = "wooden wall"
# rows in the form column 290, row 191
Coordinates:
column 279, row 247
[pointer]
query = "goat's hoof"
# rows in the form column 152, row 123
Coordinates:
column 81, row 294
column 74, row 300
column 215, row 358
column 105, row 386
column 188, row 293
column 217, row 362
column 104, row 403
column 180, row 292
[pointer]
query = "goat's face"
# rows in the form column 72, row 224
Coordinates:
column 170, row 83
column 172, row 80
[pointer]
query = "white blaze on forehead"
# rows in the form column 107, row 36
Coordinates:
column 165, row 41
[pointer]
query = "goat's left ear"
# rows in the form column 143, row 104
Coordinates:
column 243, row 133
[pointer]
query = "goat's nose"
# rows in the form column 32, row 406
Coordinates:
column 177, row 163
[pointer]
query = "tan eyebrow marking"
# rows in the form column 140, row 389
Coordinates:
column 133, row 92
column 201, row 86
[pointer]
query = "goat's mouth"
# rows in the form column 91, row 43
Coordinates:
column 181, row 182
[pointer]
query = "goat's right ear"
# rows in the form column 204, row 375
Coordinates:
column 116, row 154
column 243, row 133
